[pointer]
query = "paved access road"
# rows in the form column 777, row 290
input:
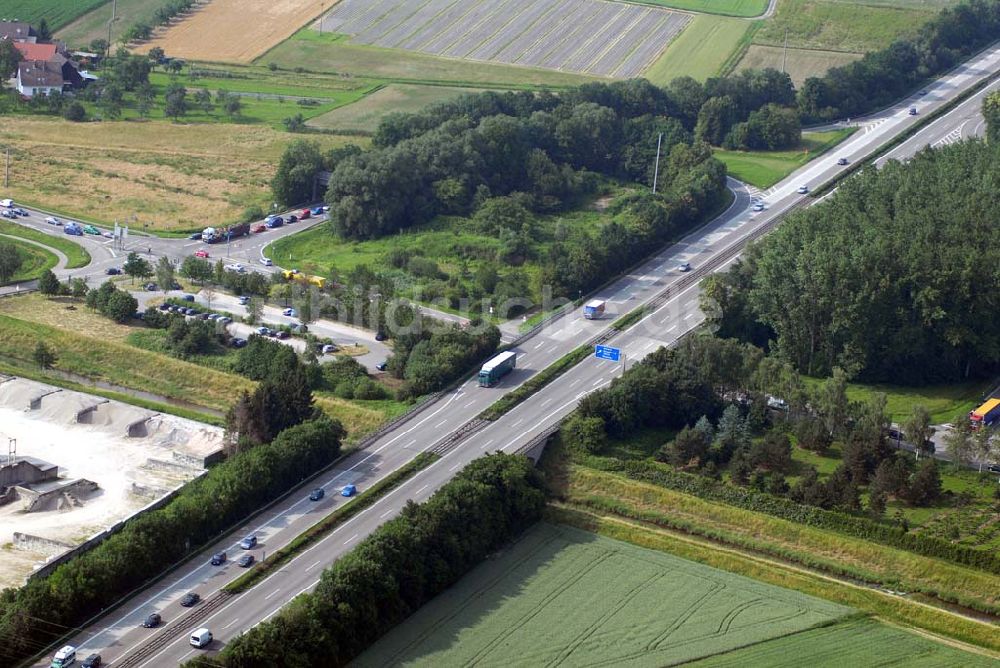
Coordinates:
column 116, row 635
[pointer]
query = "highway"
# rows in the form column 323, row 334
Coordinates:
column 117, row 636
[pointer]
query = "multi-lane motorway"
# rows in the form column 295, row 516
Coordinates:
column 119, row 639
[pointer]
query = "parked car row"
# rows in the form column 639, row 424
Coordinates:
column 193, row 312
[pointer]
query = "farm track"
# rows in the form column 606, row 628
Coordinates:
column 585, row 36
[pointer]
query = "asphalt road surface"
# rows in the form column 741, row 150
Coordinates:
column 119, row 639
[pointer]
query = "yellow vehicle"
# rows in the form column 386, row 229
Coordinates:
column 298, row 276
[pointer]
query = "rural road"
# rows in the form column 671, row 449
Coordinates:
column 435, row 427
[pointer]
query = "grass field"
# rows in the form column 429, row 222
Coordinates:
column 365, row 114
column 74, row 252
column 704, row 47
column 855, row 642
column 563, row 596
column 34, row 260
column 799, row 63
column 317, row 52
column 743, row 8
column 94, row 24
column 839, row 26
column 765, row 168
column 57, row 12
column 170, row 175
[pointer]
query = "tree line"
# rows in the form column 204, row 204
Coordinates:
column 41, row 612
column 894, row 278
column 398, row 568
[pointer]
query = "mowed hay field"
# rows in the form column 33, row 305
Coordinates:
column 365, row 114
column 94, row 24
column 171, row 176
column 610, row 39
column 564, row 596
column 799, row 63
column 234, row 30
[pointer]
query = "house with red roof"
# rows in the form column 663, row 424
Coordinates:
column 45, row 67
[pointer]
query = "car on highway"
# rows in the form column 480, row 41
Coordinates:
column 380, row 336
column 218, row 558
column 238, row 343
column 249, row 542
column 258, row 228
column 289, row 312
column 53, row 221
column 200, row 638
column 149, row 287
column 195, row 236
column 90, row 229
column 282, row 334
column 64, row 657
column 380, row 366
column 19, row 211
column 842, row 161
column 152, row 621
column 317, row 211
column 190, row 599
column 108, row 235
column 246, row 561
column 112, row 271
column 913, row 111
column 92, row 661
column 188, row 298
column 6, row 203
column 317, row 494
column 759, row 206
column 7, row 213
column 274, row 221
column 328, row 348
column 235, row 267
column 243, row 300
column 266, row 261
column 201, row 253
column 291, row 218
column 802, row 190
column 993, row 468
column 684, row 266
column 349, row 490
column 264, row 331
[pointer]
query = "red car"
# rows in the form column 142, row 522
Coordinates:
column 306, row 213
column 201, row 253
column 258, row 228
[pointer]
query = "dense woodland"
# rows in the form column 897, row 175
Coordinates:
column 402, row 565
column 895, row 278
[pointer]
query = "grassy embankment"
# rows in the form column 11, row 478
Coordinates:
column 104, row 354
column 74, row 252
column 765, row 168
column 34, row 260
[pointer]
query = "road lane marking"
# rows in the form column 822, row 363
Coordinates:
column 272, row 594
column 387, row 513
column 417, row 493
column 313, row 565
column 350, row 539
column 230, row 624
column 439, row 424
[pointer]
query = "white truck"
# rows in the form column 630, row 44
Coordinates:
column 594, row 309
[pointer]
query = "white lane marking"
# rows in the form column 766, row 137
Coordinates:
column 598, row 382
column 417, row 493
column 230, row 624
column 575, row 382
column 540, row 344
column 454, row 467
column 272, row 594
column 470, row 403
column 350, row 539
column 312, row 565
column 545, row 403
column 387, row 513
column 410, row 443
column 440, row 424
column 671, row 328
column 518, row 422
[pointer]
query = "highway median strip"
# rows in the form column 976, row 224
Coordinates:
column 321, row 529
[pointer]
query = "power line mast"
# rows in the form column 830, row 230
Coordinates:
column 656, row 169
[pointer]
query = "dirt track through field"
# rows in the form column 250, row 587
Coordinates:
column 235, row 30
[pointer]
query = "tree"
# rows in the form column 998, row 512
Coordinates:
column 991, row 112
column 155, row 55
column 295, row 123
column 585, row 432
column 255, row 309
column 48, row 284
column 918, row 430
column 831, row 402
column 78, row 288
column 144, row 98
column 196, row 269
column 165, row 274
column 982, row 444
column 44, row 356
column 925, row 486
column 174, row 66
column 958, row 441
column 203, row 99
column 136, row 267
column 176, row 101
column 121, row 306
column 208, row 292
column 293, row 182
column 689, row 447
column 10, row 261
column 304, row 306
column 74, row 111
column 111, row 100
column 43, row 31
column 774, row 452
column 233, row 106
column 715, row 119
column 99, row 46
column 9, row 59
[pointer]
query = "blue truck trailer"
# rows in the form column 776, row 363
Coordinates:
column 497, row 368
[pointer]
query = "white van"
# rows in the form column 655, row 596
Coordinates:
column 201, row 638
column 64, row 657
column 6, row 203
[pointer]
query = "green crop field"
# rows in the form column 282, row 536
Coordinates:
column 317, row 52
column 561, row 595
column 94, row 24
column 744, row 8
column 700, row 51
column 855, row 642
column 840, row 26
column 365, row 114
column 57, row 12
column 34, row 259
column 765, row 168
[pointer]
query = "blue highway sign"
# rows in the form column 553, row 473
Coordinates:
column 607, row 353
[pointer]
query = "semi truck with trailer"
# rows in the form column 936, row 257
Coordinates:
column 986, row 415
column 594, row 309
column 212, row 235
column 497, row 368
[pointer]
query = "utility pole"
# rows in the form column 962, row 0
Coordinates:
column 114, row 13
column 656, row 168
column 6, row 170
column 784, row 53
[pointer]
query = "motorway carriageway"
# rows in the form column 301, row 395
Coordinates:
column 117, row 634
